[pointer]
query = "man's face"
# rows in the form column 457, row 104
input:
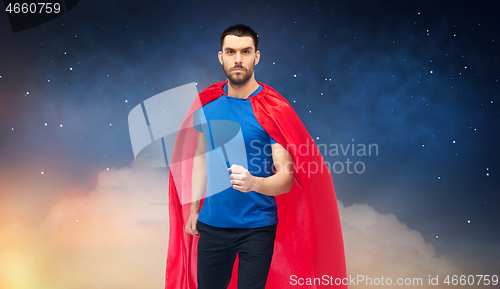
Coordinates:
column 238, row 57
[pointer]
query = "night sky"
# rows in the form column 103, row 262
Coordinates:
column 419, row 80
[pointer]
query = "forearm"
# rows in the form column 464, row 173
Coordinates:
column 282, row 181
column 198, row 182
column 279, row 183
column 276, row 184
column 198, row 178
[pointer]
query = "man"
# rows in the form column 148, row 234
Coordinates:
column 242, row 219
column 249, row 205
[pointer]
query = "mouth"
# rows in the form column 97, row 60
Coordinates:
column 237, row 70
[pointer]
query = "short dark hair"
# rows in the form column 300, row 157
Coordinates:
column 240, row 30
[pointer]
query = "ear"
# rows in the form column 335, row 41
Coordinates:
column 257, row 57
column 221, row 58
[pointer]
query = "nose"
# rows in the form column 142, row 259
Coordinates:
column 238, row 57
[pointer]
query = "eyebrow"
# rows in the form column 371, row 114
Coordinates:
column 246, row 48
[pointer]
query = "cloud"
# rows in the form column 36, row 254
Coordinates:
column 379, row 245
column 114, row 236
column 127, row 205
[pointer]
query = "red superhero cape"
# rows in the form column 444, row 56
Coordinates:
column 309, row 241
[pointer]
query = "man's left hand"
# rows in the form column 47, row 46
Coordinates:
column 242, row 180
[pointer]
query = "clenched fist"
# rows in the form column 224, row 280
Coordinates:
column 242, row 180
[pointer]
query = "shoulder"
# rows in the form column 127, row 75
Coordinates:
column 272, row 97
column 211, row 89
column 212, row 92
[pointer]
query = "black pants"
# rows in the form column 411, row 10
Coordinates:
column 217, row 249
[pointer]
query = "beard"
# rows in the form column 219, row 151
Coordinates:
column 240, row 77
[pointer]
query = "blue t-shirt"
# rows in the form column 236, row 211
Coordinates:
column 234, row 136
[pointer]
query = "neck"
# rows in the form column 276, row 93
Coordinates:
column 242, row 90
